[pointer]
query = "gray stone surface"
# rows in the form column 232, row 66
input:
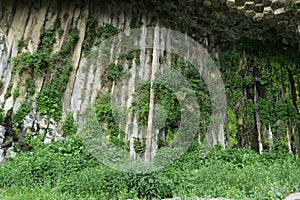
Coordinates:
column 10, row 153
column 208, row 21
column 47, row 139
column 2, row 159
column 2, row 132
column 28, row 121
column 293, row 196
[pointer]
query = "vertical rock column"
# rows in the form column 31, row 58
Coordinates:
column 150, row 152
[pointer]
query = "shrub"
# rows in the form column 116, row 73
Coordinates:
column 69, row 127
column 34, row 63
column 20, row 114
column 66, row 169
column 45, row 164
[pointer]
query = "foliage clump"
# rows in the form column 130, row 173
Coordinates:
column 18, row 117
column 69, row 127
column 66, row 170
column 105, row 116
column 34, row 63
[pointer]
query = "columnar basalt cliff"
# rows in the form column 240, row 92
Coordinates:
column 44, row 47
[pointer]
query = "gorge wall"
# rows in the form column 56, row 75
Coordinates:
column 51, row 40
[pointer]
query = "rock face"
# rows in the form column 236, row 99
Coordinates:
column 228, row 20
column 210, row 22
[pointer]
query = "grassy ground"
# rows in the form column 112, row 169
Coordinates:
column 65, row 170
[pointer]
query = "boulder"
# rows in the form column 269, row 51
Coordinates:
column 10, row 153
column 28, row 121
column 293, row 196
column 2, row 132
column 2, row 159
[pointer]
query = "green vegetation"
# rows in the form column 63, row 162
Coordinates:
column 2, row 118
column 69, row 126
column 49, row 99
column 96, row 33
column 114, row 72
column 34, row 63
column 57, row 24
column 16, row 92
column 65, row 170
column 271, row 73
column 107, row 30
column 131, row 55
column 8, row 91
column 134, row 23
column 47, row 40
column 66, row 16
column 1, row 86
column 72, row 39
column 60, row 32
column 30, row 87
column 262, row 87
column 169, row 102
column 40, row 63
column 290, row 4
column 139, row 146
column 21, row 45
column 90, row 36
column 141, row 103
column 104, row 113
column 20, row 114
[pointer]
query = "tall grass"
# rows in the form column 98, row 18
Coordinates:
column 65, row 170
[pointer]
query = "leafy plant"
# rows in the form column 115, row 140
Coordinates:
column 66, row 169
column 72, row 38
column 49, row 99
column 16, row 92
column 47, row 40
column 66, row 16
column 46, row 164
column 8, row 91
column 60, row 32
column 134, row 23
column 139, row 147
column 57, row 24
column 29, row 85
column 20, row 115
column 2, row 117
column 114, row 72
column 104, row 113
column 107, row 30
column 69, row 127
column 34, row 63
column 88, row 42
column 21, row 44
